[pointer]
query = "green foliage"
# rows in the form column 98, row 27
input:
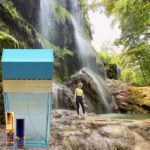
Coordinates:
column 87, row 25
column 61, row 68
column 137, row 61
column 60, row 13
column 127, row 76
column 3, row 27
column 94, row 5
column 110, row 65
column 9, row 6
column 133, row 16
column 61, row 54
column 7, row 41
column 18, row 24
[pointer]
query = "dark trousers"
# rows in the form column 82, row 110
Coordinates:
column 79, row 100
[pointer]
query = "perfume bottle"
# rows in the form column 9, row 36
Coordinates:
column 20, row 133
column 10, row 128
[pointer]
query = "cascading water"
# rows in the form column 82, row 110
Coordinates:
column 87, row 54
column 45, row 17
column 85, row 51
column 55, row 96
column 101, row 88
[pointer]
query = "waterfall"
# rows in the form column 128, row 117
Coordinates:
column 87, row 55
column 45, row 17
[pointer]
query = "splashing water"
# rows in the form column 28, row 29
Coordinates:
column 101, row 88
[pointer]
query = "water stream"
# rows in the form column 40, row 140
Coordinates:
column 45, row 17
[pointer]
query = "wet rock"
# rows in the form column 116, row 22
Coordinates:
column 8, row 41
column 95, row 133
column 97, row 96
column 62, row 97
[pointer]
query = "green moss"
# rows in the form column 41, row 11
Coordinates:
column 60, row 13
column 7, row 41
column 3, row 27
column 9, row 6
column 18, row 25
column 138, row 99
column 28, row 30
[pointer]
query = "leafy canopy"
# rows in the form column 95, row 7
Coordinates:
column 133, row 16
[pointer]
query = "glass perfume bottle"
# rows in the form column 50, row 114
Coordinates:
column 20, row 133
column 10, row 128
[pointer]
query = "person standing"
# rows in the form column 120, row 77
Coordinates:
column 79, row 99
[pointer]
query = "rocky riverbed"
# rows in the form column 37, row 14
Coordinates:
column 95, row 132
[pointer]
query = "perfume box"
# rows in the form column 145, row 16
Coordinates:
column 27, row 64
column 27, row 89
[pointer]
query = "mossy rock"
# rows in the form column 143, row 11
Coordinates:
column 7, row 41
column 3, row 27
column 12, row 18
column 138, row 98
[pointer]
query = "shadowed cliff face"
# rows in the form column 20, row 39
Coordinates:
column 29, row 9
column 62, row 34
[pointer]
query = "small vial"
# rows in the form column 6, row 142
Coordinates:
column 10, row 128
column 20, row 133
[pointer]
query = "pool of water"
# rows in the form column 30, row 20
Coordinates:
column 126, row 116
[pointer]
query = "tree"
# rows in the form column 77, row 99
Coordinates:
column 133, row 16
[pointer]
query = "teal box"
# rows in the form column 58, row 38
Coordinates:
column 33, row 106
column 27, row 64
